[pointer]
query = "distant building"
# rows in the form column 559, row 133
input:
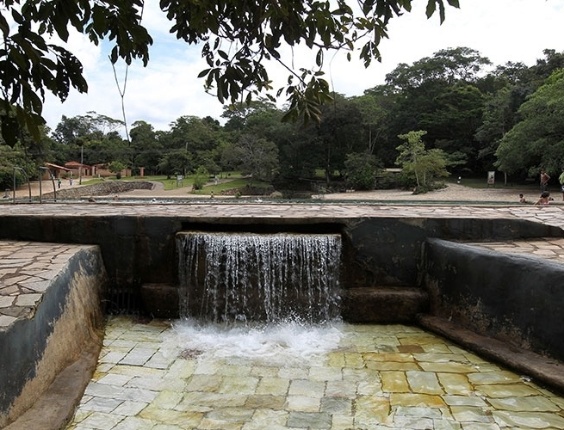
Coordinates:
column 78, row 169
column 56, row 170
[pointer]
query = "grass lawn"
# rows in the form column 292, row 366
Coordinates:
column 227, row 181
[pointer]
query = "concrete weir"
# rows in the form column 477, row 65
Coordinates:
column 412, row 265
column 50, row 328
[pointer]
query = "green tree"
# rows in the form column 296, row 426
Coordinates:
column 116, row 167
column 254, row 156
column 340, row 133
column 440, row 94
column 146, row 147
column 424, row 165
column 92, row 139
column 236, row 38
column 361, row 171
column 537, row 141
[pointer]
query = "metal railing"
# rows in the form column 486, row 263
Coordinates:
column 52, row 180
column 15, row 184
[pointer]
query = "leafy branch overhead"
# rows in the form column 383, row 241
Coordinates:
column 236, row 36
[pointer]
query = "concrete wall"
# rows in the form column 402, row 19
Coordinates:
column 514, row 298
column 138, row 250
column 66, row 321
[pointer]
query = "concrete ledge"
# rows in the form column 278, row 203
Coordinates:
column 545, row 370
column 383, row 304
column 58, row 325
column 56, row 406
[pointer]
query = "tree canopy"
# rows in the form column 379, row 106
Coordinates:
column 236, row 38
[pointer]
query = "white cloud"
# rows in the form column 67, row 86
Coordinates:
column 502, row 30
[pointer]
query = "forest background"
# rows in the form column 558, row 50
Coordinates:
column 454, row 113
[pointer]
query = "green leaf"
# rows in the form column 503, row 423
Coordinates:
column 431, row 7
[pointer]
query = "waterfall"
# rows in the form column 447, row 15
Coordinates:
column 265, row 277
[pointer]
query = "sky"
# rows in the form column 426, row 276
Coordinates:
column 168, row 88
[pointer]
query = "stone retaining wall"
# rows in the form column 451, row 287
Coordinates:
column 102, row 189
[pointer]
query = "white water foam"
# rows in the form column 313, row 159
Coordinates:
column 282, row 344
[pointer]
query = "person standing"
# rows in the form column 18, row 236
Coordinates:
column 544, row 178
column 561, row 180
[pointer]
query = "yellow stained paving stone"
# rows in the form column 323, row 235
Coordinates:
column 230, row 370
column 474, row 359
column 269, row 371
column 97, row 375
column 487, row 367
column 372, row 409
column 436, row 348
column 212, row 424
column 244, row 385
column 265, row 402
column 170, row 382
column 423, row 382
column 354, row 360
column 507, row 390
column 370, row 387
column 304, row 387
column 185, row 419
column 182, row 369
column 317, row 373
column 465, row 400
column 412, row 399
column 498, row 377
column 273, row 386
column 120, row 344
column 205, row 401
column 336, row 359
column 207, row 367
column 167, row 399
column 421, row 339
column 292, row 373
column 529, row 403
column 472, row 414
column 448, row 357
column 394, row 382
column 528, row 420
column 454, row 383
column 122, row 369
column 553, row 398
column 341, row 422
column 266, row 419
column 447, row 367
column 205, row 382
column 385, row 356
column 112, row 357
column 80, row 416
column 382, row 365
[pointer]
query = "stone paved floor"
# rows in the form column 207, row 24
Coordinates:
column 26, row 271
column 377, row 377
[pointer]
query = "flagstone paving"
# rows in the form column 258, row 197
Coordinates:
column 377, row 377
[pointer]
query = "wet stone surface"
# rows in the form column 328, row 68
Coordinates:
column 376, row 377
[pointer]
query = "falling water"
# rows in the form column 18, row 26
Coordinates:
column 259, row 277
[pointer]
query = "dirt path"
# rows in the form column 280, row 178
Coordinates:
column 453, row 192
